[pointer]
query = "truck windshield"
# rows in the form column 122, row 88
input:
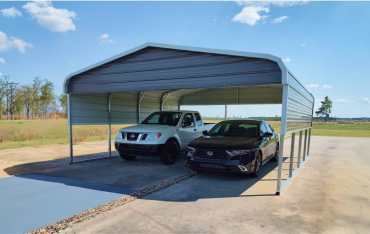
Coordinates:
column 234, row 129
column 163, row 118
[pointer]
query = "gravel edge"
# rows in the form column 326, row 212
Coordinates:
column 90, row 213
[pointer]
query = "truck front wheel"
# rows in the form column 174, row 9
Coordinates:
column 126, row 156
column 169, row 152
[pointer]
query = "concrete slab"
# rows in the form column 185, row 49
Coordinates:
column 329, row 195
column 30, row 201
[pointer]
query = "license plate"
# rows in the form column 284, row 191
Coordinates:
column 209, row 165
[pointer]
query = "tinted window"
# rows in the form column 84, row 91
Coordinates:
column 163, row 118
column 234, row 129
column 197, row 117
column 188, row 120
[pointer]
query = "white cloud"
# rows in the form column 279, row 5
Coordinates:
column 251, row 15
column 314, row 86
column 254, row 11
column 7, row 43
column 2, row 60
column 105, row 38
column 342, row 100
column 10, row 12
column 287, row 60
column 366, row 99
column 279, row 20
column 54, row 19
column 326, row 86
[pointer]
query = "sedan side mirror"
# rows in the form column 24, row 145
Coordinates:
column 205, row 132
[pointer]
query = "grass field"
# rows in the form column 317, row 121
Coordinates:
column 21, row 133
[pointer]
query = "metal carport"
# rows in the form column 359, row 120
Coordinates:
column 127, row 87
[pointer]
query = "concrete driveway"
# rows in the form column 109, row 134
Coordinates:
column 34, row 194
column 329, row 195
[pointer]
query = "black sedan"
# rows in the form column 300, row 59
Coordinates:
column 234, row 145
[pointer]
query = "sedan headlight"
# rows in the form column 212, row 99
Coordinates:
column 190, row 151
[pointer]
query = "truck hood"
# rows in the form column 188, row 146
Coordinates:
column 148, row 128
column 221, row 142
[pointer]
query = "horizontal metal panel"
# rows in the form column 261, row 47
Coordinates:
column 89, row 109
column 175, row 69
column 240, row 95
column 299, row 107
column 189, row 83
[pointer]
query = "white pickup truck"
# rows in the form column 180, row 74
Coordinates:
column 163, row 133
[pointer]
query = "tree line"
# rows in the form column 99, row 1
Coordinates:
column 32, row 101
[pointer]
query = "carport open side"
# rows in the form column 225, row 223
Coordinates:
column 126, row 88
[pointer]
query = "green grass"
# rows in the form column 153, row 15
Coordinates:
column 21, row 133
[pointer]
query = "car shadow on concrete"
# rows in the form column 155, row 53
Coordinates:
column 119, row 176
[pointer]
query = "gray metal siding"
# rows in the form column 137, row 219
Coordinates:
column 163, row 69
column 123, row 108
column 240, row 95
column 300, row 105
column 89, row 109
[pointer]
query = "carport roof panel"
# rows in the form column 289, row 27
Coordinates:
column 273, row 76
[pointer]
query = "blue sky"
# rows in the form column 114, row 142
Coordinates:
column 325, row 44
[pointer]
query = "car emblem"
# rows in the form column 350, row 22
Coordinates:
column 132, row 135
column 209, row 153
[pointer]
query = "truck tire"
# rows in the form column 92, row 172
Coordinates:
column 127, row 157
column 169, row 152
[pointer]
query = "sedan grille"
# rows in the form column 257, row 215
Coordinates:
column 212, row 154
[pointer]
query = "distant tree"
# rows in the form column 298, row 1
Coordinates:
column 63, row 102
column 35, row 103
column 2, row 95
column 47, row 97
column 325, row 108
column 26, row 95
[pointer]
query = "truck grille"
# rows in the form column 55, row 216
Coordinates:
column 132, row 136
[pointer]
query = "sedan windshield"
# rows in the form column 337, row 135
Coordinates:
column 235, row 129
column 163, row 118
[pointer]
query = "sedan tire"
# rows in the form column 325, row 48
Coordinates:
column 257, row 163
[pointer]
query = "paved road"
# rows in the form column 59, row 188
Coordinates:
column 329, row 195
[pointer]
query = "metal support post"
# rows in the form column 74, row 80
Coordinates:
column 305, row 145
column 283, row 131
column 109, row 97
column 299, row 150
column 309, row 142
column 70, row 132
column 291, row 155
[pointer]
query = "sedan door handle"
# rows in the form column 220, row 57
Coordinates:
column 195, row 130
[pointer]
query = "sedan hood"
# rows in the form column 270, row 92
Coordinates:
column 147, row 128
column 221, row 142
